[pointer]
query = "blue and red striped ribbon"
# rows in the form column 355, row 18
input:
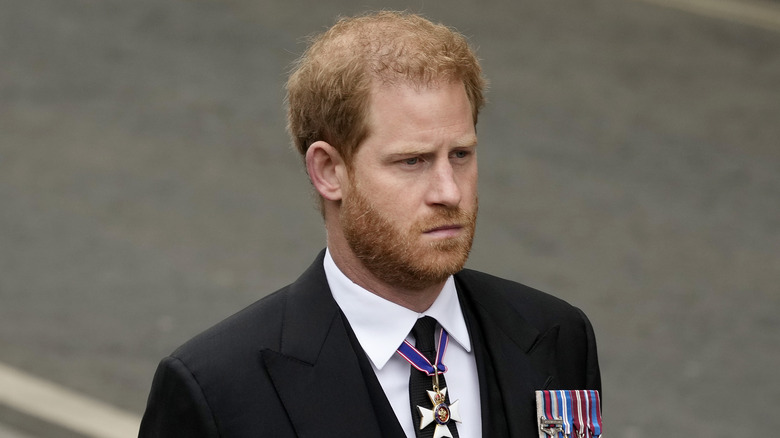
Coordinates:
column 414, row 357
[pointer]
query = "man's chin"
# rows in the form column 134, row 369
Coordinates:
column 429, row 267
column 441, row 264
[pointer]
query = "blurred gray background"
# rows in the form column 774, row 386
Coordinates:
column 629, row 164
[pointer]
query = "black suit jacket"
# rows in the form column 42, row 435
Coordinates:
column 285, row 366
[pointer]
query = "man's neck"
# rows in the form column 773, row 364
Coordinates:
column 418, row 300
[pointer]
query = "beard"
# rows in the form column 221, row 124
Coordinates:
column 399, row 257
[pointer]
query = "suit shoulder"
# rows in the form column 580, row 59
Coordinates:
column 535, row 305
column 255, row 327
column 215, row 384
column 509, row 289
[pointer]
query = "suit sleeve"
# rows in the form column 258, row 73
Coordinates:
column 176, row 405
column 592, row 371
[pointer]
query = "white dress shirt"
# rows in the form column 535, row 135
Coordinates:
column 381, row 326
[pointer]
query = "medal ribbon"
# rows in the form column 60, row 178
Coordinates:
column 419, row 361
column 578, row 410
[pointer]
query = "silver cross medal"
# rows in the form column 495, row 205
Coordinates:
column 441, row 412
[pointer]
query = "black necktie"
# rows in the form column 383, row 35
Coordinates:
column 420, row 382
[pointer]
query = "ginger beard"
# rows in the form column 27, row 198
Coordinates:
column 399, row 257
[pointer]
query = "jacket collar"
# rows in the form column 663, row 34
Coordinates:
column 316, row 372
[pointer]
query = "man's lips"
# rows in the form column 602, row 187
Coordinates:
column 444, row 230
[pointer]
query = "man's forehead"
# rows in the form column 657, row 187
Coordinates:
column 393, row 88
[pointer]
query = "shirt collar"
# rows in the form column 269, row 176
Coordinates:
column 381, row 325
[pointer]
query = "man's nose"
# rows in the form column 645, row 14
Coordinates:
column 444, row 189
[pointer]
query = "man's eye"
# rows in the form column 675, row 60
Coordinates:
column 461, row 154
column 411, row 161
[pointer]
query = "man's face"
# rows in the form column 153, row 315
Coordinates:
column 409, row 210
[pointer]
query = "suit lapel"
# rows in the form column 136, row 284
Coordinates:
column 316, row 372
column 522, row 357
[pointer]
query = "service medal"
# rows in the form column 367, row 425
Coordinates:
column 441, row 413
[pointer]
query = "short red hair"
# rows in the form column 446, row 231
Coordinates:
column 328, row 90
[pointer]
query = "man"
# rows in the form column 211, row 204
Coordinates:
column 383, row 108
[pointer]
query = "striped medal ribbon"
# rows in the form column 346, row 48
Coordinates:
column 420, row 362
column 568, row 413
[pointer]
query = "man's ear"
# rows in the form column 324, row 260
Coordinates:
column 326, row 169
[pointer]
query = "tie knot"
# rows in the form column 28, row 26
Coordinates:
column 423, row 332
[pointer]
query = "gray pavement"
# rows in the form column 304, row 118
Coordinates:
column 8, row 433
column 629, row 163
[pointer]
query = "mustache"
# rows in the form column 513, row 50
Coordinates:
column 446, row 217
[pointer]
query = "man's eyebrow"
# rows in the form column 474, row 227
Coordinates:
column 408, row 153
column 466, row 142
